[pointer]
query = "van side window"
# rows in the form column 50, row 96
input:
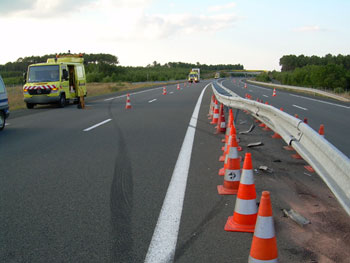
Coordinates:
column 2, row 86
column 80, row 72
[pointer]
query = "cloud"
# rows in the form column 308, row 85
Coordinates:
column 314, row 28
column 217, row 8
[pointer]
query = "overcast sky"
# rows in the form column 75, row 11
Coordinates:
column 255, row 33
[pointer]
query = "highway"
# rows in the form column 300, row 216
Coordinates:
column 89, row 185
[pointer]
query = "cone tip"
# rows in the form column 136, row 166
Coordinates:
column 247, row 165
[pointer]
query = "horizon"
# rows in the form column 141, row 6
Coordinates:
column 255, row 34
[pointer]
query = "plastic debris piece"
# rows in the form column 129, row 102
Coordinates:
column 255, row 144
column 265, row 169
column 296, row 217
column 249, row 130
column 242, row 122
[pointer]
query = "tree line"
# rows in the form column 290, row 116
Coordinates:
column 105, row 68
column 328, row 72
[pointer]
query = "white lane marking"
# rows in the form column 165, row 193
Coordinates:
column 258, row 87
column 296, row 106
column 266, row 96
column 7, row 124
column 164, row 239
column 96, row 125
column 326, row 102
column 152, row 100
column 134, row 93
column 171, row 92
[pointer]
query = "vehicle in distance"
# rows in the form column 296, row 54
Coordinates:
column 217, row 75
column 194, row 75
column 59, row 80
column 4, row 105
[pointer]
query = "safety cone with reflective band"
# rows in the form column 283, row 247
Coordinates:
column 232, row 172
column 221, row 127
column 227, row 146
column 245, row 86
column 229, row 123
column 211, row 107
column 274, row 93
column 321, row 130
column 216, row 113
column 164, row 90
column 128, row 104
column 178, row 87
column 246, row 210
column 264, row 244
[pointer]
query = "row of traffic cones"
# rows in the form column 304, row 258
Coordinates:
column 246, row 216
column 128, row 103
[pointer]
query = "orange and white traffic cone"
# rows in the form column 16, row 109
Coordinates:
column 274, row 93
column 321, row 130
column 246, row 210
column 178, row 87
column 264, row 243
column 229, row 123
column 245, row 86
column 164, row 90
column 216, row 113
column 211, row 107
column 128, row 104
column 232, row 171
column 221, row 127
column 228, row 144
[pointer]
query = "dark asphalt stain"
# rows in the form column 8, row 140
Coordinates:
column 121, row 200
column 199, row 229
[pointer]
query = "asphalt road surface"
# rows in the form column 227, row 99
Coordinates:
column 89, row 185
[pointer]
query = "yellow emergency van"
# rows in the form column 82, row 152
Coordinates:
column 59, row 80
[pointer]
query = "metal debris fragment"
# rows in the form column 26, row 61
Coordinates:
column 242, row 122
column 249, row 130
column 296, row 217
column 254, row 144
column 265, row 168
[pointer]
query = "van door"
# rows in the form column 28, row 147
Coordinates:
column 72, row 81
column 65, row 82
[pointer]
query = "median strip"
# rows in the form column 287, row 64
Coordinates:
column 96, row 125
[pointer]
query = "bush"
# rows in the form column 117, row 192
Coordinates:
column 339, row 90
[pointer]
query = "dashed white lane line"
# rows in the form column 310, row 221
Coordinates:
column 96, row 125
column 134, row 93
column 266, row 96
column 171, row 92
column 326, row 102
column 152, row 100
column 164, row 239
column 296, row 106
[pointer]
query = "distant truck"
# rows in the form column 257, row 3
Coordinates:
column 59, row 80
column 217, row 75
column 4, row 105
column 194, row 75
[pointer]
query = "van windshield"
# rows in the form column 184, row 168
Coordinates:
column 44, row 73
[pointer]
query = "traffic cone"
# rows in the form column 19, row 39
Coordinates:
column 305, row 121
column 274, row 93
column 321, row 130
column 246, row 210
column 221, row 127
column 210, row 114
column 164, row 90
column 232, row 172
column 264, row 243
column 216, row 113
column 296, row 116
column 226, row 148
column 178, row 87
column 245, row 85
column 128, row 104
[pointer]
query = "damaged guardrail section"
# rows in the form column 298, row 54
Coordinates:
column 329, row 163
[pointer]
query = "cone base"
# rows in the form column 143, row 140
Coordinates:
column 267, row 129
column 225, row 191
column 288, row 148
column 232, row 226
column 221, row 172
column 222, row 158
column 128, row 107
column 239, row 148
column 296, row 156
column 276, row 136
column 213, row 122
column 223, row 140
column 309, row 168
column 223, row 148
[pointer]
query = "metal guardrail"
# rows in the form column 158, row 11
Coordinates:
column 329, row 163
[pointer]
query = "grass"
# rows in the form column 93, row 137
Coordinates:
column 15, row 93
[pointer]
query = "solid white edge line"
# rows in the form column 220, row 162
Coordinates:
column 296, row 106
column 164, row 239
column 326, row 102
column 152, row 100
column 96, row 125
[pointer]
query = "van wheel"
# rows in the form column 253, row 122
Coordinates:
column 62, row 101
column 2, row 121
column 30, row 105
